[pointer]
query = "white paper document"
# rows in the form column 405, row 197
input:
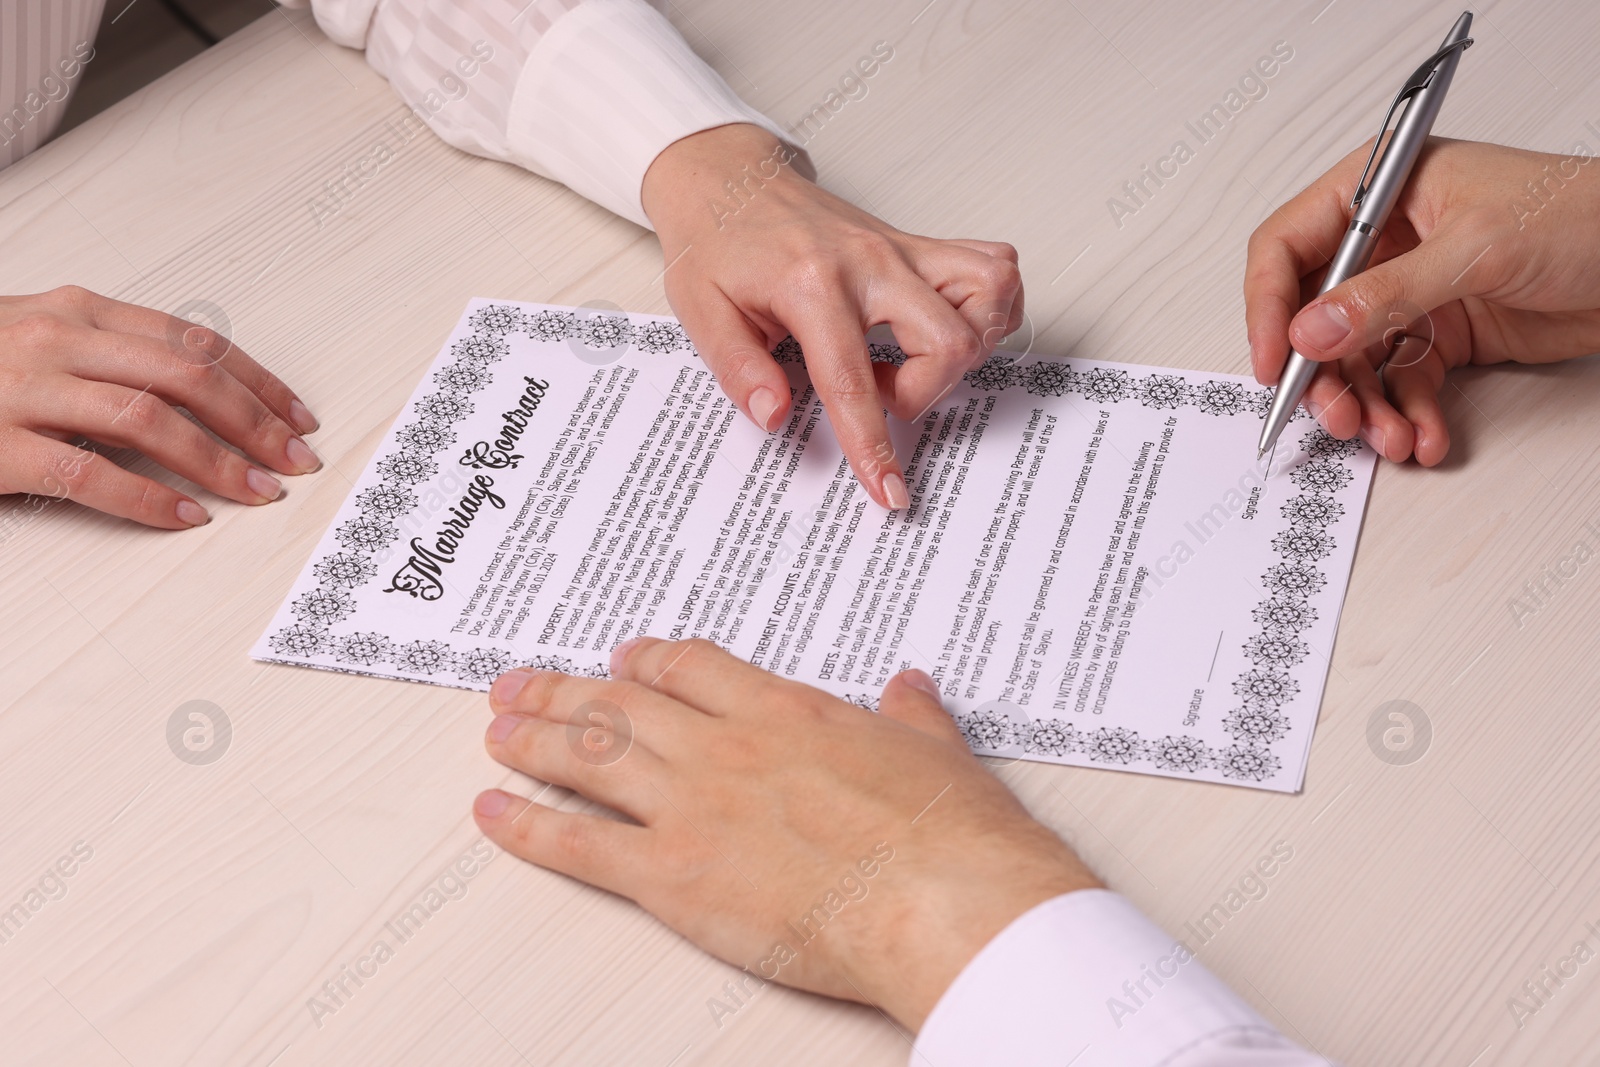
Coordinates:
column 1094, row 568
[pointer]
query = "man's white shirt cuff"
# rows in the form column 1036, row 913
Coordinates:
column 1085, row 979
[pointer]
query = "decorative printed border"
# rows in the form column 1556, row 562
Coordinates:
column 1274, row 649
column 1044, row 376
column 419, row 445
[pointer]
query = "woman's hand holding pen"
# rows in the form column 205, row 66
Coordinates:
column 785, row 257
column 1491, row 255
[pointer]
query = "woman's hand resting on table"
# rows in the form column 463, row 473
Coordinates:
column 781, row 256
column 75, row 364
column 1474, row 266
column 758, row 802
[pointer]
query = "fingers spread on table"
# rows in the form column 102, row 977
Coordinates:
column 593, row 754
column 209, row 390
column 200, row 344
column 636, row 714
column 601, row 852
column 700, row 675
column 129, row 418
column 49, row 468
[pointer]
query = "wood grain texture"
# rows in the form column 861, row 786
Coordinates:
column 219, row 898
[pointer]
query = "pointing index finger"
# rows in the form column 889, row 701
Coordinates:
column 836, row 356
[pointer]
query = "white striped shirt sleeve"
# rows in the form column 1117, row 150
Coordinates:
column 586, row 92
column 44, row 48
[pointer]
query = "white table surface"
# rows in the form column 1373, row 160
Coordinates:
column 218, row 898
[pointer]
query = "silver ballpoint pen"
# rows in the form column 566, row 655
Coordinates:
column 1422, row 95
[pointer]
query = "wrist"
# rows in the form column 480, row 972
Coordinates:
column 942, row 919
column 702, row 180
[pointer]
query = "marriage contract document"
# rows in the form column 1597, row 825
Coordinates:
column 1094, row 568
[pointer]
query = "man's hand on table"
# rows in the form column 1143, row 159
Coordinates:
column 76, row 364
column 1475, row 266
column 780, row 255
column 756, row 801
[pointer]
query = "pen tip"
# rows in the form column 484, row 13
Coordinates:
column 1260, row 452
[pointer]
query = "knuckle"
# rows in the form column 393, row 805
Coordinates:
column 1002, row 276
column 68, row 474
column 1377, row 310
column 263, row 423
column 695, row 650
column 960, row 346
column 224, row 465
column 534, row 697
column 193, row 342
column 873, row 246
column 74, row 297
column 815, row 273
column 214, row 345
column 572, row 837
column 740, row 365
column 39, row 332
column 199, row 373
column 852, row 381
column 142, row 413
column 149, row 497
column 618, row 695
column 1384, row 291
column 277, row 395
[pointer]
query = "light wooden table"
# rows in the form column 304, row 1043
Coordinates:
column 217, row 899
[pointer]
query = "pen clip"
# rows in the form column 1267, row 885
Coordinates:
column 1419, row 80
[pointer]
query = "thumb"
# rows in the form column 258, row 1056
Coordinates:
column 911, row 697
column 1379, row 303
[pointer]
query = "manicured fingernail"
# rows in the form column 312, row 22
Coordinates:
column 894, row 491
column 263, row 484
column 1320, row 327
column 492, row 803
column 302, row 418
column 920, row 681
column 1374, row 437
column 764, row 408
column 936, row 400
column 507, row 687
column 192, row 513
column 301, row 458
column 503, row 727
column 619, row 655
